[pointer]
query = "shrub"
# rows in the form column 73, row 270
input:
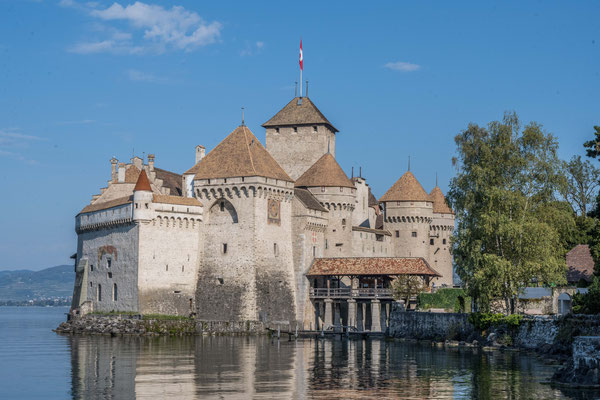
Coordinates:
column 448, row 299
column 484, row 321
column 588, row 303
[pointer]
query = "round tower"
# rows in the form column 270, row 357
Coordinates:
column 440, row 232
column 142, row 198
column 326, row 180
column 408, row 212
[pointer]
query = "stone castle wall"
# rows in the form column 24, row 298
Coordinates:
column 440, row 256
column 409, row 222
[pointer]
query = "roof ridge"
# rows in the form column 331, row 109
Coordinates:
column 248, row 148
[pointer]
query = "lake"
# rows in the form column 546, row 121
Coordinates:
column 37, row 363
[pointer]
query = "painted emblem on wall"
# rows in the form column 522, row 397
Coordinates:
column 274, row 211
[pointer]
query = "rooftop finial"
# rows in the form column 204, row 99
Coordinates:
column 243, row 123
column 409, row 163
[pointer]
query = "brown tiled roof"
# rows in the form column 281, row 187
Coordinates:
column 170, row 180
column 239, row 154
column 440, row 205
column 325, row 172
column 184, row 201
column 293, row 113
column 354, row 266
column 372, row 199
column 371, row 230
column 580, row 263
column 142, row 183
column 309, row 200
column 131, row 174
column 107, row 204
column 379, row 221
column 407, row 188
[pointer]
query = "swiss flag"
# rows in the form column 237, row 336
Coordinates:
column 301, row 58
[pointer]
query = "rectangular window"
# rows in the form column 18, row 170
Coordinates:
column 114, row 292
column 99, row 292
column 397, row 233
column 414, row 234
column 222, row 205
column 224, row 248
column 314, row 251
column 275, row 249
column 315, row 128
column 109, row 275
column 108, row 263
column 444, row 241
column 431, row 242
column 295, row 129
column 326, row 244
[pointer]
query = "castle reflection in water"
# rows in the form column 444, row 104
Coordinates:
column 260, row 367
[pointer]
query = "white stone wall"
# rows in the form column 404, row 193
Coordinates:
column 119, row 244
column 308, row 241
column 340, row 202
column 298, row 151
column 402, row 219
column 169, row 256
column 370, row 244
column 440, row 255
column 360, row 216
column 104, row 218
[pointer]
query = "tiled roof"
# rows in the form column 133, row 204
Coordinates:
column 407, row 188
column 131, row 174
column 142, row 183
column 170, row 180
column 305, row 113
column 580, row 263
column 240, row 154
column 309, row 200
column 354, row 266
column 379, row 221
column 371, row 230
column 372, row 199
column 184, row 201
column 325, row 172
column 107, row 204
column 440, row 205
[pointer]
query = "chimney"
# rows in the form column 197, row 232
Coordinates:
column 151, row 162
column 200, row 151
column 121, row 176
column 113, row 169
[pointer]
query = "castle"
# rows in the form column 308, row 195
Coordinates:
column 276, row 233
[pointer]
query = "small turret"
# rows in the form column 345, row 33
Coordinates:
column 142, row 198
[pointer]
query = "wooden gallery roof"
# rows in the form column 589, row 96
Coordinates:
column 354, row 266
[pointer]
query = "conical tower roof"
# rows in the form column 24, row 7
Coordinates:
column 439, row 202
column 299, row 111
column 325, row 172
column 407, row 188
column 239, row 154
column 142, row 182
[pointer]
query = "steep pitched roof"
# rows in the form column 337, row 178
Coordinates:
column 107, row 204
column 370, row 266
column 325, row 172
column 407, row 188
column 439, row 202
column 309, row 200
column 295, row 113
column 142, row 183
column 239, row 154
column 170, row 180
column 184, row 201
column 580, row 263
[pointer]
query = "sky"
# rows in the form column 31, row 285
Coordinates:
column 81, row 82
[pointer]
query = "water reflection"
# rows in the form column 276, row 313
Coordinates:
column 249, row 367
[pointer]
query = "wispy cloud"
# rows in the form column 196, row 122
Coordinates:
column 14, row 143
column 402, row 66
column 154, row 28
column 252, row 49
column 77, row 122
column 140, row 76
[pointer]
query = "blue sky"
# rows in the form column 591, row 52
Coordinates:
column 81, row 82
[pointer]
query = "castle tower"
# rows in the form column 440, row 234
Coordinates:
column 246, row 272
column 326, row 180
column 408, row 214
column 142, row 199
column 298, row 135
column 442, row 226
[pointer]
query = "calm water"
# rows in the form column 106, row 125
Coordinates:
column 37, row 363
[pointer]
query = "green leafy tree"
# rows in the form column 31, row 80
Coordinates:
column 506, row 185
column 406, row 286
column 593, row 146
column 588, row 303
column 581, row 184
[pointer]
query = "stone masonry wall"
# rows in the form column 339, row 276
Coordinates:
column 424, row 325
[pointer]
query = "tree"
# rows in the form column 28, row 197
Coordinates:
column 406, row 286
column 581, row 182
column 506, row 185
column 593, row 146
column 588, row 303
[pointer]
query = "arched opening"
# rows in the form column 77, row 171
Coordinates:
column 564, row 304
column 222, row 212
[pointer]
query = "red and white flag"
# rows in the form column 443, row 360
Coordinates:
column 301, row 58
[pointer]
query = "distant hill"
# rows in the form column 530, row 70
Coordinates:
column 23, row 285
